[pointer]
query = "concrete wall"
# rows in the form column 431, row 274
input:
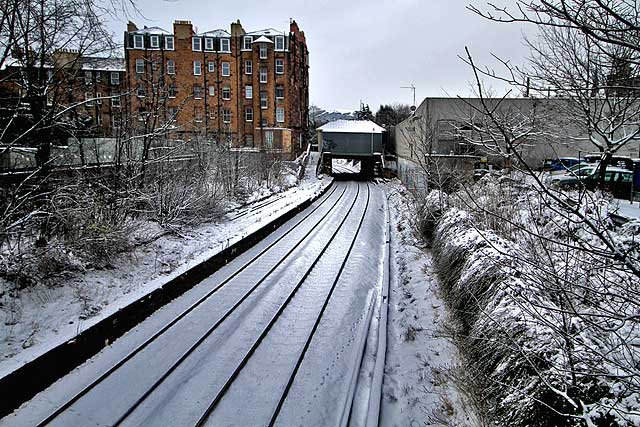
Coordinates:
column 351, row 144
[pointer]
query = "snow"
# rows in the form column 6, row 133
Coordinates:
column 352, row 126
column 216, row 33
column 262, row 39
column 45, row 317
column 421, row 357
column 626, row 208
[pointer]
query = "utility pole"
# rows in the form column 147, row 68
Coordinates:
column 413, row 88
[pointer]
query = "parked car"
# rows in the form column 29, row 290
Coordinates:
column 617, row 181
column 623, row 162
column 574, row 174
column 561, row 163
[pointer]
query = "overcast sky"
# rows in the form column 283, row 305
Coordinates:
column 362, row 49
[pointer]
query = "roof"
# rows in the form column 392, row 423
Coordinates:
column 103, row 64
column 216, row 33
column 151, row 30
column 352, row 126
column 262, row 39
column 266, row 32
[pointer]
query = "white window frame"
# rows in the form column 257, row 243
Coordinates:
column 141, row 91
column 226, row 65
column 248, row 140
column 211, row 66
column 248, row 114
column 279, row 66
column 197, row 68
column 208, row 44
column 263, row 51
column 98, row 98
column 248, row 66
column 212, row 90
column 248, row 92
column 88, row 77
column 196, row 44
column 198, row 118
column 171, row 66
column 280, row 115
column 228, row 111
column 154, row 41
column 246, row 42
column 226, row 93
column 88, row 99
column 169, row 43
column 172, row 91
column 138, row 38
column 265, row 99
column 280, row 39
column 268, row 138
column 115, row 100
column 264, row 75
column 279, row 97
column 139, row 66
column 116, row 80
column 197, row 94
column 227, row 48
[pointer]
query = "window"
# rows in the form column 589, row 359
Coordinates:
column 212, row 114
column 172, row 113
column 268, row 138
column 138, row 41
column 263, row 123
column 248, row 92
column 263, row 100
column 226, row 69
column 88, row 77
column 248, row 140
column 141, row 91
column 279, row 43
column 263, row 51
column 246, row 42
column 115, row 100
column 248, row 67
column 279, row 92
column 279, row 66
column 226, row 93
column 142, row 113
column 88, row 97
column 171, row 66
column 116, row 122
column 248, row 114
column 98, row 76
column 197, row 91
column 211, row 66
column 208, row 43
column 263, row 75
column 197, row 68
column 168, row 42
column 197, row 114
column 98, row 98
column 139, row 66
column 196, row 44
column 99, row 119
column 212, row 91
column 225, row 45
column 154, row 42
column 226, row 115
column 280, row 115
column 115, row 78
column 172, row 92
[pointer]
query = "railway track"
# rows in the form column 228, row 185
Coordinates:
column 233, row 328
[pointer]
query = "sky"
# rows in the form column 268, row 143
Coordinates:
column 363, row 50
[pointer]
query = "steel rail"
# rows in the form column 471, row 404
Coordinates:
column 218, row 397
column 176, row 319
column 215, row 326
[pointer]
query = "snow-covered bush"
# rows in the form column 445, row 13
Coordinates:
column 549, row 316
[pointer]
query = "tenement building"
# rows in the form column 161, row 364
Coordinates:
column 247, row 89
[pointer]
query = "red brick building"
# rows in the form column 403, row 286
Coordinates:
column 248, row 89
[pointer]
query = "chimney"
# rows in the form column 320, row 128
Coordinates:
column 182, row 29
column 236, row 29
column 131, row 27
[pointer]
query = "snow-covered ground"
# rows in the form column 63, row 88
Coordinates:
column 421, row 357
column 43, row 316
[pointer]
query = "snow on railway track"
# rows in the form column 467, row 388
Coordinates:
column 271, row 338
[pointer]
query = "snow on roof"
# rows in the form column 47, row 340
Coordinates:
column 216, row 33
column 352, row 126
column 103, row 64
column 151, row 30
column 262, row 39
column 266, row 32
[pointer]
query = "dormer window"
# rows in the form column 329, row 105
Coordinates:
column 280, row 43
column 138, row 41
column 196, row 44
column 208, row 43
column 225, row 45
column 168, row 42
column 246, row 43
column 154, row 42
column 263, row 51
